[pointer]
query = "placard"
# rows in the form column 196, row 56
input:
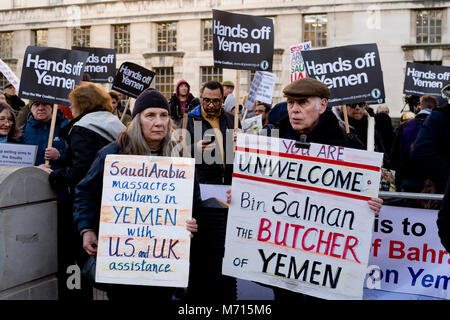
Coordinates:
column 261, row 89
column 242, row 42
column 14, row 154
column 9, row 74
column 131, row 79
column 297, row 65
column 145, row 204
column 299, row 218
column 421, row 79
column 100, row 64
column 353, row 73
column 49, row 74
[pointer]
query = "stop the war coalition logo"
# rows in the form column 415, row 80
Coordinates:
column 242, row 41
column 49, row 74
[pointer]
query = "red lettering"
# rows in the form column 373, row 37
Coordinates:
column 393, row 249
column 334, row 244
column 297, row 227
column 349, row 247
column 304, row 237
column 263, row 228
column 327, row 242
column 286, row 227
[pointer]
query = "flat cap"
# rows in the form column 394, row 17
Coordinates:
column 228, row 83
column 306, row 87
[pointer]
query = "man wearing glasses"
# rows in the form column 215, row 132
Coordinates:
column 211, row 136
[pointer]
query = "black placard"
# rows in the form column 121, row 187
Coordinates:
column 353, row 73
column 242, row 41
column 131, row 79
column 100, row 64
column 421, row 79
column 49, row 74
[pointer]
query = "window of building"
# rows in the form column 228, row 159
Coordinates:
column 210, row 74
column 39, row 37
column 207, row 35
column 315, row 29
column 6, row 45
column 121, row 36
column 429, row 26
column 167, row 36
column 81, row 37
column 164, row 81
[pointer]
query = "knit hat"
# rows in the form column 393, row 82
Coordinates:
column 149, row 98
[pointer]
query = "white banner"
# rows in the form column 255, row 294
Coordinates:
column 407, row 255
column 7, row 72
column 22, row 155
column 299, row 218
column 145, row 204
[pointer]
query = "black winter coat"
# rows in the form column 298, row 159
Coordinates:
column 175, row 106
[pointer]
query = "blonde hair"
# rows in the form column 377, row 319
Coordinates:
column 89, row 96
column 132, row 141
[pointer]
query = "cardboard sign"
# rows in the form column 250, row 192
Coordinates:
column 421, row 79
column 353, row 73
column 49, row 74
column 297, row 65
column 242, row 42
column 299, row 218
column 131, row 79
column 145, row 204
column 100, row 64
column 22, row 155
column 407, row 255
column 9, row 74
column 261, row 89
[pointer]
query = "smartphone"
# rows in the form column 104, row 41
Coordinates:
column 211, row 137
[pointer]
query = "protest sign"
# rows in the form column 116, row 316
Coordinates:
column 407, row 255
column 49, row 74
column 9, row 74
column 261, row 89
column 297, row 64
column 100, row 64
column 131, row 79
column 252, row 125
column 12, row 154
column 353, row 73
column 299, row 218
column 242, row 42
column 421, row 79
column 145, row 204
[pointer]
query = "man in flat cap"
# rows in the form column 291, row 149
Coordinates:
column 228, row 87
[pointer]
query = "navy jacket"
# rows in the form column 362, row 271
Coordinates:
column 88, row 193
column 443, row 221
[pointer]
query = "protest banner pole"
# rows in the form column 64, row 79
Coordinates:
column 126, row 109
column 184, row 129
column 371, row 134
column 52, row 129
column 236, row 106
column 344, row 109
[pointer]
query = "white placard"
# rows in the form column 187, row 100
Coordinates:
column 13, row 154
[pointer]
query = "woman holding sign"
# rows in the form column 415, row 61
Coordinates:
column 149, row 133
column 8, row 129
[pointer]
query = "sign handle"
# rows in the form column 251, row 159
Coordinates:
column 236, row 106
column 344, row 109
column 52, row 129
column 371, row 134
column 126, row 109
column 183, row 132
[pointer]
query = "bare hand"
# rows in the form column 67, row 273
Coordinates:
column 375, row 205
column 203, row 145
column 51, row 154
column 191, row 226
column 228, row 196
column 90, row 242
column 45, row 167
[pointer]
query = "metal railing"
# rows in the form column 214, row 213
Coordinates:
column 410, row 195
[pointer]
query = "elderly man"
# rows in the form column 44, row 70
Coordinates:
column 37, row 130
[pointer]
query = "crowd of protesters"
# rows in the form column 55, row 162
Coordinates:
column 417, row 150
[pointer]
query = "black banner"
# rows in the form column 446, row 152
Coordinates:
column 353, row 73
column 421, row 79
column 49, row 74
column 132, row 79
column 242, row 41
column 100, row 64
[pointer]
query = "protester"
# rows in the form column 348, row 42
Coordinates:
column 406, row 174
column 36, row 131
column 93, row 127
column 430, row 155
column 443, row 220
column 382, row 109
column 121, row 107
column 182, row 100
column 309, row 120
column 212, row 119
column 115, row 102
column 228, row 87
column 383, row 125
column 11, row 97
column 263, row 109
column 148, row 134
column 8, row 128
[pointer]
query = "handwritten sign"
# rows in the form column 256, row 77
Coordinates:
column 407, row 255
column 12, row 154
column 261, row 89
column 145, row 204
column 299, row 218
column 297, row 65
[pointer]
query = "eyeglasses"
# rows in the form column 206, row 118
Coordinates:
column 6, row 121
column 215, row 101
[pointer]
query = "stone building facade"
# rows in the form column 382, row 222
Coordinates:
column 174, row 37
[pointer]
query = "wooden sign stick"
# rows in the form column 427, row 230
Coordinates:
column 52, row 129
column 344, row 109
column 126, row 109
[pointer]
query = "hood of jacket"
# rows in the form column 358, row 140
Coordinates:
column 103, row 123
